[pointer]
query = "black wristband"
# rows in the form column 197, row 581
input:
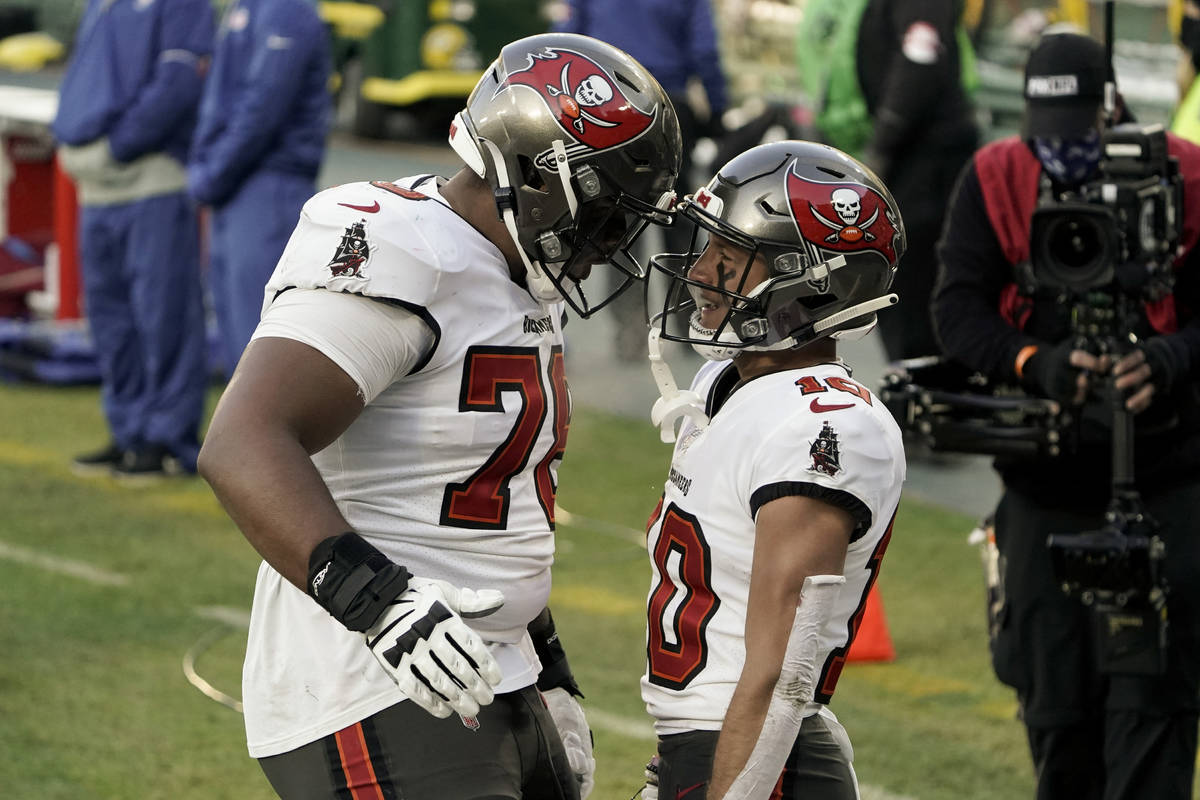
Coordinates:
column 353, row 581
column 556, row 672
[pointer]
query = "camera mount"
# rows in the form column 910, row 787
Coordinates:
column 1117, row 571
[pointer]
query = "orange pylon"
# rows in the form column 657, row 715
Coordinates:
column 872, row 642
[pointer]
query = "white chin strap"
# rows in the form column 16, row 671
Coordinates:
column 537, row 274
column 846, row 314
column 673, row 404
column 722, row 347
column 728, row 345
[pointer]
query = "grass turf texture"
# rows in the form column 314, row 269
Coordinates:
column 94, row 704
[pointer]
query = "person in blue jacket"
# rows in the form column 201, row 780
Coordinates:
column 126, row 113
column 259, row 143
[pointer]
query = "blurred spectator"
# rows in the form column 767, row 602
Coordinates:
column 887, row 81
column 676, row 41
column 259, row 144
column 126, row 113
column 1187, row 117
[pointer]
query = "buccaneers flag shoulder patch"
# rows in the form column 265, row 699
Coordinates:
column 824, row 452
column 352, row 252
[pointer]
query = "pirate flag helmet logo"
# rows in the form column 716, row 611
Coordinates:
column 586, row 100
column 842, row 216
column 352, row 252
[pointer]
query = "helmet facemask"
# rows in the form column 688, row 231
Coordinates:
column 763, row 307
column 596, row 235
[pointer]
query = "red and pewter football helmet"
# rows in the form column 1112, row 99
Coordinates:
column 830, row 235
column 581, row 147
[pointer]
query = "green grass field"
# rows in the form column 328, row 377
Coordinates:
column 94, row 703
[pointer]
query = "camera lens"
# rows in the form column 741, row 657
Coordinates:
column 1074, row 246
column 1076, row 243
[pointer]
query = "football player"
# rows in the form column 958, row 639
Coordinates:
column 785, row 478
column 390, row 441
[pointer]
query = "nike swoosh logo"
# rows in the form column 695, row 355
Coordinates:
column 816, row 407
column 371, row 209
column 688, row 790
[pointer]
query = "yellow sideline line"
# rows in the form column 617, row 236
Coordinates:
column 163, row 496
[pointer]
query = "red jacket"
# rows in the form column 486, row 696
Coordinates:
column 1009, row 174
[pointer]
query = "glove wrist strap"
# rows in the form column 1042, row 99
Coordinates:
column 353, row 581
column 556, row 672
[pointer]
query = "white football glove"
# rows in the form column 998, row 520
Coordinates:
column 423, row 644
column 576, row 737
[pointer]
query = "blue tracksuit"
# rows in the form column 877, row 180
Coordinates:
column 135, row 77
column 259, row 144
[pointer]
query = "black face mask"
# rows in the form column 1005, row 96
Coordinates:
column 1189, row 37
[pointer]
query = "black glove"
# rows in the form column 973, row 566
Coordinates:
column 1165, row 364
column 1048, row 372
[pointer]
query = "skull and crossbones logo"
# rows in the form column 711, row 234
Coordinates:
column 592, row 92
column 848, row 205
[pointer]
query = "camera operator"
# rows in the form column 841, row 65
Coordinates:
column 1092, row 733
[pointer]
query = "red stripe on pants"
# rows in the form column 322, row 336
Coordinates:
column 356, row 764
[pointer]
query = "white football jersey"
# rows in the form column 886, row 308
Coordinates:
column 451, row 470
column 812, row 432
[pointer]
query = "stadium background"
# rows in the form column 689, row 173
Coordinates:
column 113, row 596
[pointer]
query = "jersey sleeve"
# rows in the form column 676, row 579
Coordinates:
column 840, row 458
column 373, row 342
column 364, row 239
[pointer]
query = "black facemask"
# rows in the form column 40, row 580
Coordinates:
column 1189, row 37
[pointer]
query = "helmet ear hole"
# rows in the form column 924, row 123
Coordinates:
column 531, row 175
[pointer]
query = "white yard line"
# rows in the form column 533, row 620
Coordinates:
column 868, row 792
column 233, row 617
column 62, row 566
column 639, row 729
column 630, row 535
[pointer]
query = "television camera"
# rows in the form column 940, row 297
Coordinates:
column 1100, row 251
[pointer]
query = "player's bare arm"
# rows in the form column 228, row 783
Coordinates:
column 795, row 537
column 285, row 402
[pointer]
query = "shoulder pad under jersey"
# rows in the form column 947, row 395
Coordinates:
column 373, row 238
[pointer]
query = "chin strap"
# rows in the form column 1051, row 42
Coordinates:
column 538, row 282
column 850, row 313
column 673, row 404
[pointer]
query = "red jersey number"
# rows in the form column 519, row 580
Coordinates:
column 482, row 501
column 682, row 604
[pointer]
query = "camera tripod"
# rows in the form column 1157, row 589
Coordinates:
column 1117, row 571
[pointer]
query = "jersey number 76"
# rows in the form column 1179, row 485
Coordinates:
column 482, row 500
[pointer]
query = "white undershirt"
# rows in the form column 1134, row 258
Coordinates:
column 373, row 342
